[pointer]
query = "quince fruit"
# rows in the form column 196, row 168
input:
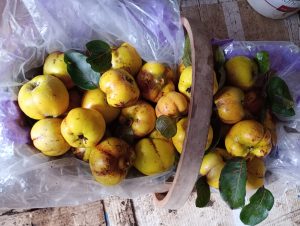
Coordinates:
column 110, row 161
column 47, row 137
column 127, row 58
column 56, row 66
column 229, row 102
column 96, row 99
column 83, row 127
column 119, row 87
column 43, row 96
column 248, row 137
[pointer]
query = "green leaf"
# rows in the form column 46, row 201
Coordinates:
column 166, row 126
column 263, row 60
column 203, row 192
column 80, row 71
column 222, row 77
column 233, row 182
column 258, row 208
column 99, row 55
column 125, row 133
column 219, row 57
column 187, row 55
column 279, row 97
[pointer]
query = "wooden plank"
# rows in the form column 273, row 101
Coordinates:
column 89, row 214
column 293, row 26
column 233, row 20
column 208, row 13
column 119, row 211
column 257, row 27
column 216, row 214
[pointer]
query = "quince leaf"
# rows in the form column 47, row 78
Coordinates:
column 279, row 97
column 233, row 182
column 166, row 126
column 258, row 208
column 125, row 133
column 187, row 55
column 80, row 71
column 263, row 60
column 219, row 57
column 99, row 55
column 203, row 192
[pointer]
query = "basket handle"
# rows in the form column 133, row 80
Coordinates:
column 199, row 118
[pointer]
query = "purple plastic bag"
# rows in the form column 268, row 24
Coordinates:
column 284, row 159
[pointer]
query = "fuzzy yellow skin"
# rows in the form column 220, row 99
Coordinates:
column 241, row 72
column 110, row 161
column 96, row 99
column 255, row 173
column 179, row 137
column 211, row 167
column 229, row 104
column 157, row 135
column 119, row 87
column 214, row 174
column 185, row 82
column 153, row 79
column 154, row 156
column 210, row 160
column 248, row 137
column 83, row 127
column 82, row 153
column 43, row 96
column 46, row 137
column 127, row 58
column 140, row 117
column 56, row 66
column 172, row 104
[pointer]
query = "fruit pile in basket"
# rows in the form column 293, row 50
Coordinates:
column 249, row 100
column 110, row 108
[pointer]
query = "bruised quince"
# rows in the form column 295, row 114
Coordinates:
column 110, row 161
column 155, row 80
column 154, row 156
column 172, row 104
column 119, row 87
column 229, row 102
column 248, row 137
column 139, row 117
column 127, row 58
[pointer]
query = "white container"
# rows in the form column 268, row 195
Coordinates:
column 275, row 9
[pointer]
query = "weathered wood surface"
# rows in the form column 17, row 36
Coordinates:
column 223, row 18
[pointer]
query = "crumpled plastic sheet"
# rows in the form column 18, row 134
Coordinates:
column 29, row 30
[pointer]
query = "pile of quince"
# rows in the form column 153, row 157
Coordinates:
column 247, row 130
column 113, row 126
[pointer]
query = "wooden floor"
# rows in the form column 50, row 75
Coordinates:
column 224, row 18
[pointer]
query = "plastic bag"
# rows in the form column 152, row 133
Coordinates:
column 283, row 163
column 30, row 29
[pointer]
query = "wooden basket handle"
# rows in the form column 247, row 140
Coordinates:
column 199, row 118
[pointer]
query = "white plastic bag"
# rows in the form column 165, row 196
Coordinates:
column 30, row 29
